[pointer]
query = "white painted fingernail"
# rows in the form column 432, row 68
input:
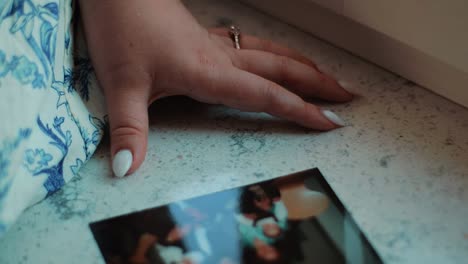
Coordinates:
column 347, row 86
column 334, row 118
column 122, row 162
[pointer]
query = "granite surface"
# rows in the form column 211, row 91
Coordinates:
column 400, row 166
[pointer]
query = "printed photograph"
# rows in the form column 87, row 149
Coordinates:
column 291, row 219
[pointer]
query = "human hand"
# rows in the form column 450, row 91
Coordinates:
column 271, row 230
column 177, row 233
column 148, row 49
column 266, row 252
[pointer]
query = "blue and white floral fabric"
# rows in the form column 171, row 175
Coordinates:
column 51, row 110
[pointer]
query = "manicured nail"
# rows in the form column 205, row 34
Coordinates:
column 345, row 85
column 334, row 118
column 122, row 162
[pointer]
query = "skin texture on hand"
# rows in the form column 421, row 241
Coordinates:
column 148, row 49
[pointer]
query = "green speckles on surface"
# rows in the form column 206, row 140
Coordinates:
column 247, row 141
column 68, row 203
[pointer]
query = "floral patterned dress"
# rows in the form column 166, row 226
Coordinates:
column 51, row 110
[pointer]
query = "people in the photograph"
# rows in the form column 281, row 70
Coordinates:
column 167, row 251
column 262, row 220
column 214, row 231
column 252, row 224
column 262, row 215
column 201, row 232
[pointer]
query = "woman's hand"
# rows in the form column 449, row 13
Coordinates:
column 148, row 49
column 145, row 241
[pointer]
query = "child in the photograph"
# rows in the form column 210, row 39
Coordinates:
column 214, row 228
column 167, row 253
column 262, row 220
column 250, row 224
column 203, row 232
column 173, row 246
column 261, row 216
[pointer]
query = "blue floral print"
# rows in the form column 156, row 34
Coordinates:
column 3, row 64
column 51, row 110
column 37, row 159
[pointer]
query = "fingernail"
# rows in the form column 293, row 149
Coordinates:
column 347, row 86
column 334, row 118
column 122, row 162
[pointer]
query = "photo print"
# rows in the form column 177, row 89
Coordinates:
column 291, row 219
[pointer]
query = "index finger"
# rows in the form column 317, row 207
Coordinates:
column 247, row 91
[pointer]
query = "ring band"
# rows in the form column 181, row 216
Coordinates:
column 234, row 32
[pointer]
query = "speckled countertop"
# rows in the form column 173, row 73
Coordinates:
column 400, row 167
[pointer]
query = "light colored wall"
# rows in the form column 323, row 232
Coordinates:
column 399, row 35
column 438, row 28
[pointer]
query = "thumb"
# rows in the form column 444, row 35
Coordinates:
column 128, row 119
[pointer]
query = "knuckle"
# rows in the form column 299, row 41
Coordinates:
column 291, row 110
column 283, row 104
column 205, row 60
column 126, row 80
column 284, row 63
column 134, row 128
column 283, row 68
column 270, row 96
column 202, row 70
column 238, row 60
column 124, row 75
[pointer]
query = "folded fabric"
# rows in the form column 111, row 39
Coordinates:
column 51, row 109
